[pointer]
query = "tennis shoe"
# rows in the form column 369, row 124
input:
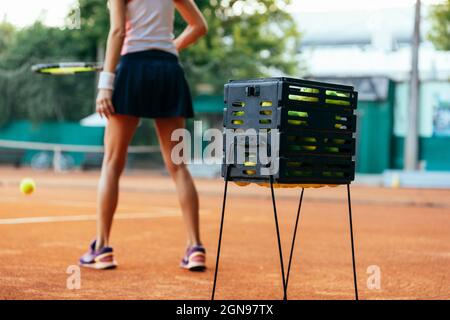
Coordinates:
column 98, row 259
column 194, row 259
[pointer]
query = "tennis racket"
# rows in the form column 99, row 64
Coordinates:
column 67, row 68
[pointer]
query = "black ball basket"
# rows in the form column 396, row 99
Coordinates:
column 315, row 125
column 284, row 132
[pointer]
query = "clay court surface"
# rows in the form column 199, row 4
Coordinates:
column 403, row 232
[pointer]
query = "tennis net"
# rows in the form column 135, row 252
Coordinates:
column 64, row 157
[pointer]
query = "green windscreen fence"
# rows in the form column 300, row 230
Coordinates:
column 374, row 136
column 208, row 104
column 52, row 132
column 434, row 153
column 65, row 133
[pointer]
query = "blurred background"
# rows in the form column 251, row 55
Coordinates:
column 396, row 54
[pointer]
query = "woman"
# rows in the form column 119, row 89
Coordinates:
column 149, row 82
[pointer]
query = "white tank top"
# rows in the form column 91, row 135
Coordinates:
column 149, row 25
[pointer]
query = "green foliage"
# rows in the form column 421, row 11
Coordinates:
column 38, row 97
column 40, row 43
column 246, row 39
column 94, row 25
column 7, row 33
column 440, row 32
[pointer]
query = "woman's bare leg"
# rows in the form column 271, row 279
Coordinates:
column 187, row 192
column 118, row 134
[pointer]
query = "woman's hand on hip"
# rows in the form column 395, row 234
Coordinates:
column 104, row 103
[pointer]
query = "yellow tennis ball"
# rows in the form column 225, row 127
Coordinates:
column 27, row 186
column 266, row 104
column 241, row 183
column 395, row 183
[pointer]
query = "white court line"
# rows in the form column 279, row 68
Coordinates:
column 67, row 203
column 78, row 204
column 91, row 217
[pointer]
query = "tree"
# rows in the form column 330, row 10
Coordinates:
column 246, row 39
column 94, row 24
column 38, row 97
column 440, row 32
column 7, row 32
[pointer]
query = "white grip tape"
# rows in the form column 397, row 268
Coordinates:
column 106, row 80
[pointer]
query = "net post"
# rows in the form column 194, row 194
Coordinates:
column 57, row 159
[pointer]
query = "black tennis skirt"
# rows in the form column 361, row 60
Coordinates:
column 151, row 84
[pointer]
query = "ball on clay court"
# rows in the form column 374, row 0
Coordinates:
column 27, row 186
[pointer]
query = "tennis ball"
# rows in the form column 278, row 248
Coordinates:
column 27, row 186
column 309, row 90
column 395, row 183
column 302, row 148
column 337, row 102
column 337, row 94
column 332, row 149
column 339, row 141
column 299, row 173
column 303, row 98
column 299, row 114
column 298, row 122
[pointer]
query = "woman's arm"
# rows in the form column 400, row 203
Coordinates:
column 114, row 45
column 116, row 34
column 197, row 26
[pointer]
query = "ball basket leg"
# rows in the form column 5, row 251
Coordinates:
column 352, row 242
column 278, row 238
column 221, row 230
column 294, row 237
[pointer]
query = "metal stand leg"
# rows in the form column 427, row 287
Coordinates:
column 285, row 279
column 221, row 230
column 279, row 239
column 293, row 238
column 351, row 237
